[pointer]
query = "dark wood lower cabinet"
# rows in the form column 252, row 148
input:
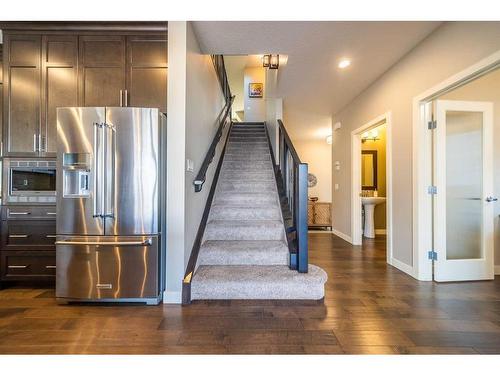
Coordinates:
column 27, row 244
column 28, row 265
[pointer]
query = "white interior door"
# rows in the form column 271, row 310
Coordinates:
column 463, row 205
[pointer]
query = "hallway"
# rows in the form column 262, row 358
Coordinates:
column 369, row 307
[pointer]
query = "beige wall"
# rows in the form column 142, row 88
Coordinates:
column 450, row 49
column 318, row 155
column 379, row 146
column 194, row 101
column 487, row 88
column 204, row 101
column 255, row 108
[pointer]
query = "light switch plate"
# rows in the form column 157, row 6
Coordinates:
column 336, row 186
column 189, row 165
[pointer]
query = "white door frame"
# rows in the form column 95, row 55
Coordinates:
column 421, row 167
column 356, row 232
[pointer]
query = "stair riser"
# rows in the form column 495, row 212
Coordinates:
column 245, row 164
column 236, row 291
column 214, row 231
column 244, row 176
column 232, row 258
column 240, row 213
column 225, row 187
column 236, row 198
column 245, row 157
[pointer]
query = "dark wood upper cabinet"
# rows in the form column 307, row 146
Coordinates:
column 57, row 69
column 147, row 71
column 60, row 83
column 102, row 70
column 22, row 99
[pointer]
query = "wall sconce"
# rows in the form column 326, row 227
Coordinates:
column 274, row 61
column 265, row 61
column 329, row 139
column 371, row 135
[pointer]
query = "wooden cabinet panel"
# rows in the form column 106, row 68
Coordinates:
column 148, row 88
column 147, row 62
column 28, row 235
column 23, row 120
column 24, row 51
column 102, row 51
column 60, row 84
column 22, row 83
column 102, row 70
column 102, row 87
column 26, row 265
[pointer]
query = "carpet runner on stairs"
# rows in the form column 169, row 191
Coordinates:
column 244, row 252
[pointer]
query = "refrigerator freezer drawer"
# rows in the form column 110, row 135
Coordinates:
column 107, row 268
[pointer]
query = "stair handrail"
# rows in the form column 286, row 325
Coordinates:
column 220, row 71
column 293, row 173
column 222, row 119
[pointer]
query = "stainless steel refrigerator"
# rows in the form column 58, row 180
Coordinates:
column 109, row 199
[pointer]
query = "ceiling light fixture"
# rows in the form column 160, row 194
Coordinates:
column 265, row 61
column 344, row 63
column 274, row 62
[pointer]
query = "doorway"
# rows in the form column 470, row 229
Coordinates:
column 456, row 217
column 371, row 171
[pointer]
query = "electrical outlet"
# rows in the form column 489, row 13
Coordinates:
column 189, row 165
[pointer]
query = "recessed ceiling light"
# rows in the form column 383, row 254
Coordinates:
column 344, row 63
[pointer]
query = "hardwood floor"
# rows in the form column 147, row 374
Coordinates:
column 369, row 307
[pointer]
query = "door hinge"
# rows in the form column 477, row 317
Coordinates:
column 432, row 255
column 432, row 190
column 432, row 125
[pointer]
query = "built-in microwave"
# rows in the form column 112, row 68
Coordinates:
column 29, row 181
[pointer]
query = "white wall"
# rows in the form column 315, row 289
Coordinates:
column 194, row 101
column 318, row 155
column 255, row 108
column 450, row 49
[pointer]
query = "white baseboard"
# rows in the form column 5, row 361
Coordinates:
column 172, row 297
column 380, row 231
column 497, row 270
column 402, row 267
column 344, row 236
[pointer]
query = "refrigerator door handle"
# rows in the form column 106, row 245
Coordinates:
column 110, row 171
column 98, row 169
column 146, row 242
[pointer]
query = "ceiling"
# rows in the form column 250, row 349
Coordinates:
column 312, row 86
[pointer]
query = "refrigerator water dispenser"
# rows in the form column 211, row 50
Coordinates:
column 76, row 175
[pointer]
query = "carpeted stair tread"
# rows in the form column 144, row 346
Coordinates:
column 244, row 230
column 257, row 282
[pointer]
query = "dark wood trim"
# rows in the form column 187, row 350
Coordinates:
column 375, row 169
column 64, row 26
column 193, row 258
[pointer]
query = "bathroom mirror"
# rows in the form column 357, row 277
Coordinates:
column 369, row 170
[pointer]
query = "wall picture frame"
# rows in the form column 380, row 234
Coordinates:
column 255, row 90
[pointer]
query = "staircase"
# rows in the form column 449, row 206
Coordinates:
column 244, row 252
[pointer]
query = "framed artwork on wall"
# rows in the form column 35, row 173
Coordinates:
column 255, row 90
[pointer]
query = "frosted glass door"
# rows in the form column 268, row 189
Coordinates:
column 463, row 211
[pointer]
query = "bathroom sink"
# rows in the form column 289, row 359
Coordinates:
column 372, row 200
column 369, row 204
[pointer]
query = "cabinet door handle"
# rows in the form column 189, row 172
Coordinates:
column 125, row 97
column 19, row 213
column 17, row 267
column 18, row 235
column 51, row 236
column 35, row 146
column 121, row 98
column 51, row 213
column 50, row 267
